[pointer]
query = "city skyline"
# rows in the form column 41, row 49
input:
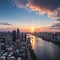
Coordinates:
column 30, row 15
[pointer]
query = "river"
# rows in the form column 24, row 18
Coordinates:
column 44, row 50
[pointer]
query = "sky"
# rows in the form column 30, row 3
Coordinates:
column 39, row 15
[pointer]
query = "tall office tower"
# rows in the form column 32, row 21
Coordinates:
column 18, row 33
column 14, row 35
column 25, row 37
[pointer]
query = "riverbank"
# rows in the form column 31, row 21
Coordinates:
column 33, row 56
column 50, row 40
column 53, row 41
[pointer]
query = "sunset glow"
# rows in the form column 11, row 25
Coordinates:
column 32, row 29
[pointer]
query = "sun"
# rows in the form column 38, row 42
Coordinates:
column 32, row 29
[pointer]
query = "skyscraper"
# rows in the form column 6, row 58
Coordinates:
column 18, row 33
column 14, row 35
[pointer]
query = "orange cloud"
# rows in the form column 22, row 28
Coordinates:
column 49, row 7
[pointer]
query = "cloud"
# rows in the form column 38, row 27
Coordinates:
column 55, row 26
column 1, row 23
column 49, row 7
column 7, row 26
column 19, row 3
column 58, row 19
column 52, row 28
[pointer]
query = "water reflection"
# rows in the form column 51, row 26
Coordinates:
column 33, row 40
column 44, row 50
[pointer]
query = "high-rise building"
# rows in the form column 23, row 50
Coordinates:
column 18, row 33
column 14, row 35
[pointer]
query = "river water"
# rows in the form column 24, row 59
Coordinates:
column 45, row 50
